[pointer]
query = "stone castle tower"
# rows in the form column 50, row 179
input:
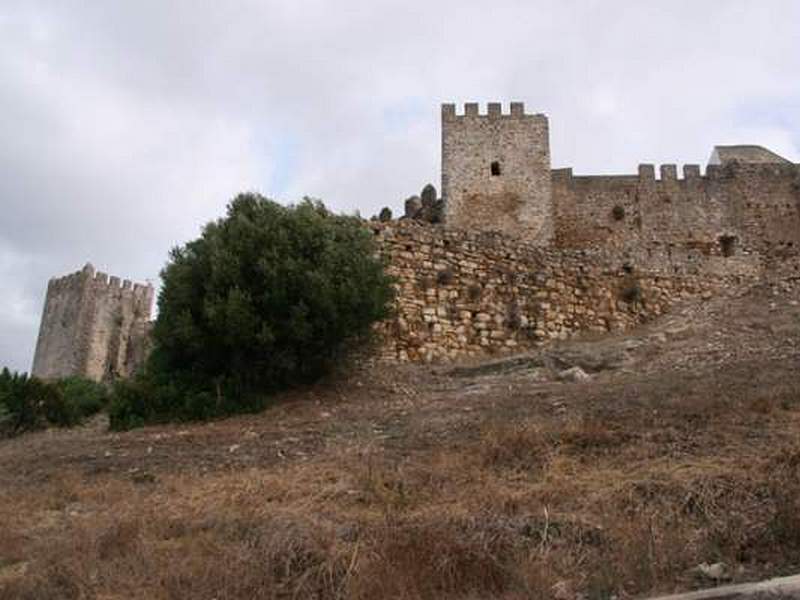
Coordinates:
column 496, row 171
column 93, row 326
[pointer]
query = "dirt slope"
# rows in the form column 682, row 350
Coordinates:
column 602, row 467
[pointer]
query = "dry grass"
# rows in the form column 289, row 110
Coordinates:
column 622, row 492
column 437, row 552
column 522, row 511
column 521, row 447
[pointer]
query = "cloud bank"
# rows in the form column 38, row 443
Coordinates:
column 126, row 126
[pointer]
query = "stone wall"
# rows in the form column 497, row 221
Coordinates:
column 93, row 326
column 738, row 208
column 496, row 171
column 466, row 293
column 765, row 204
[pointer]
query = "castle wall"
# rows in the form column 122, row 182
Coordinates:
column 515, row 199
column 677, row 211
column 463, row 293
column 764, row 203
column 92, row 326
column 683, row 219
column 584, row 210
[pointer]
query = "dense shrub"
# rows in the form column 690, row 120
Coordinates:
column 84, row 397
column 154, row 397
column 28, row 403
column 269, row 296
column 133, row 403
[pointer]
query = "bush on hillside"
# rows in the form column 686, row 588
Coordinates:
column 269, row 296
column 84, row 397
column 28, row 403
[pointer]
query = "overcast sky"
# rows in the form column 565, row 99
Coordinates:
column 127, row 125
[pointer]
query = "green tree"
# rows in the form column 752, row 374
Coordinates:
column 269, row 296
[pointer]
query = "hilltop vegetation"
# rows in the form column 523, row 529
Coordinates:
column 267, row 298
column 28, row 403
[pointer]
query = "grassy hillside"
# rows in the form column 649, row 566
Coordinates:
column 512, row 478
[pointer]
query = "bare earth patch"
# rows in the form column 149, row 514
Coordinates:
column 492, row 479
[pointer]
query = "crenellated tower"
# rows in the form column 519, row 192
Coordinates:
column 496, row 171
column 93, row 326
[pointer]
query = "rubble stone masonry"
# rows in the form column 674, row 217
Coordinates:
column 465, row 293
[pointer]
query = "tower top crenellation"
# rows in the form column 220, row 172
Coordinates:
column 494, row 110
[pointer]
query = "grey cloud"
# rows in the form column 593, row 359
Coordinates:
column 126, row 126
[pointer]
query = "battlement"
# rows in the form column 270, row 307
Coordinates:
column 494, row 110
column 100, row 281
column 645, row 175
column 668, row 172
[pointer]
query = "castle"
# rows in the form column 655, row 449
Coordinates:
column 514, row 253
column 527, row 253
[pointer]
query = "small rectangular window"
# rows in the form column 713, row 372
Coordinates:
column 728, row 244
column 495, row 169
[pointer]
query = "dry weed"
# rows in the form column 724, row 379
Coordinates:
column 519, row 447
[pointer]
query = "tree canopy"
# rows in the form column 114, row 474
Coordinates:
column 268, row 296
